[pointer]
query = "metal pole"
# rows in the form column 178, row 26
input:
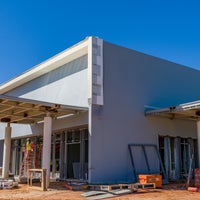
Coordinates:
column 132, row 162
column 198, row 140
column 146, row 159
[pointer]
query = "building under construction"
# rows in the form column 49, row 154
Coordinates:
column 101, row 113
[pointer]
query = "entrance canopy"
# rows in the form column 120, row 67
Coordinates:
column 189, row 111
column 26, row 111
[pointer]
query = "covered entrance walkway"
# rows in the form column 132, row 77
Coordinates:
column 25, row 111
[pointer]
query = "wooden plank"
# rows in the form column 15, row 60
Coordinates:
column 94, row 187
column 110, row 187
column 43, row 181
column 143, row 186
column 149, row 186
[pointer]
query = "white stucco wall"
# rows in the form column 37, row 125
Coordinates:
column 132, row 81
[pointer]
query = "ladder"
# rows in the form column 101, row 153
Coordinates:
column 27, row 163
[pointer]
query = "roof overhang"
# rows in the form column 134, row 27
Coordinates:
column 189, row 111
column 54, row 62
column 26, row 111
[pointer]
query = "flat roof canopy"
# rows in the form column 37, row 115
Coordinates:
column 189, row 111
column 25, row 111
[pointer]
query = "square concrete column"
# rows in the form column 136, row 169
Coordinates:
column 198, row 142
column 6, row 152
column 46, row 152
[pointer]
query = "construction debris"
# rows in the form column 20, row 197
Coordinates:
column 8, row 184
column 108, row 191
column 100, row 196
column 110, row 187
column 193, row 189
column 76, row 186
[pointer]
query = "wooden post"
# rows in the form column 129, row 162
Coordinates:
column 43, row 181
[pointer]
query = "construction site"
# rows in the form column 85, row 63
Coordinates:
column 70, row 130
column 72, row 190
column 28, row 178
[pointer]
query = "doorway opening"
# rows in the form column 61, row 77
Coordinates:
column 69, row 154
column 176, row 154
column 77, row 154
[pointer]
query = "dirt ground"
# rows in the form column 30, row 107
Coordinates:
column 57, row 191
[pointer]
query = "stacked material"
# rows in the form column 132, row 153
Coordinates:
column 8, row 184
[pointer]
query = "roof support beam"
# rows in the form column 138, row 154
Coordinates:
column 26, row 111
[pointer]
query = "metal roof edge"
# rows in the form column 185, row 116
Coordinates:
column 190, row 110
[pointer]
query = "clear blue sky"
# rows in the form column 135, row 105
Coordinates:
column 31, row 31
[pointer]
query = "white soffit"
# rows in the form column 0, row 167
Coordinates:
column 189, row 111
column 52, row 63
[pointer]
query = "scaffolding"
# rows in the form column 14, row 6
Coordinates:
column 69, row 154
column 176, row 153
